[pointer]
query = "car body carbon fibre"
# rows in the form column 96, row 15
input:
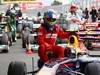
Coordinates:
column 52, row 66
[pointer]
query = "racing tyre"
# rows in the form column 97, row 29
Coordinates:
column 13, row 37
column 89, row 46
column 5, row 39
column 30, row 24
column 40, row 63
column 10, row 38
column 23, row 44
column 69, row 53
column 17, row 68
column 31, row 39
column 5, row 51
column 92, row 69
column 19, row 29
column 25, row 35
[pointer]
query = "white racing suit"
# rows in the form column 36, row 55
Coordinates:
column 73, row 26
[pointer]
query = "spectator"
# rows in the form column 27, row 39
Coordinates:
column 93, row 14
column 8, row 11
column 99, row 14
column 38, row 14
column 61, row 18
column 73, row 18
column 62, row 21
column 86, row 13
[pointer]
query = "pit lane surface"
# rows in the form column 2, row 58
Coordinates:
column 17, row 53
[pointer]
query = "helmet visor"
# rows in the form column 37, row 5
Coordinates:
column 51, row 19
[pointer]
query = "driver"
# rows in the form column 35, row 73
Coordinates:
column 47, row 36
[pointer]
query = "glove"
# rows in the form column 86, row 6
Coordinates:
column 48, row 47
column 49, row 52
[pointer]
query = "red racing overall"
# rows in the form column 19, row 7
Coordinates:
column 46, row 41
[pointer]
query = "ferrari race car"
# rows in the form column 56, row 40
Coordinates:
column 91, row 35
column 90, row 26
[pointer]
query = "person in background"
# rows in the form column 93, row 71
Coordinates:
column 62, row 21
column 16, row 11
column 8, row 10
column 86, row 13
column 39, row 14
column 1, row 16
column 99, row 14
column 74, row 18
column 93, row 14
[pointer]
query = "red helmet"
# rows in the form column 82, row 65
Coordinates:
column 73, row 6
column 50, row 19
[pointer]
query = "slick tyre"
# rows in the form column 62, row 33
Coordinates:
column 24, row 41
column 10, row 38
column 17, row 68
column 31, row 25
column 6, row 50
column 31, row 39
column 5, row 39
column 68, row 53
column 13, row 37
column 25, row 35
column 23, row 44
column 92, row 69
column 19, row 28
column 89, row 46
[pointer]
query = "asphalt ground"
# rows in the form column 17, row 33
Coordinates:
column 17, row 53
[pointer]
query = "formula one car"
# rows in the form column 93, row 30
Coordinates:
column 76, row 62
column 91, row 34
column 98, row 23
column 90, row 26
